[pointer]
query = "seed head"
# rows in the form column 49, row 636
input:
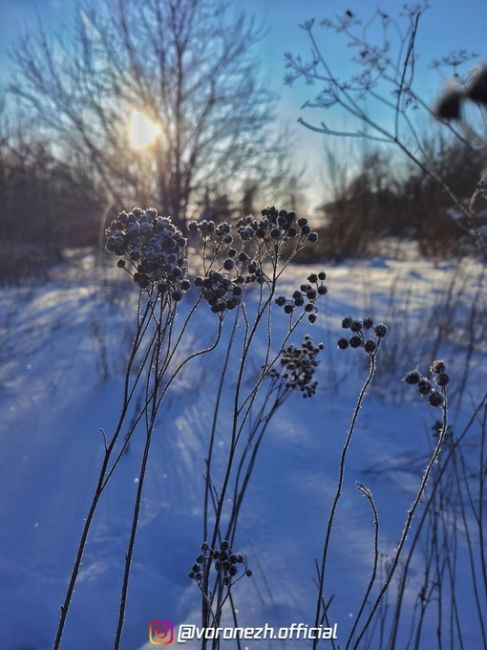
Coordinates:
column 442, row 379
column 435, row 398
column 438, row 366
column 370, row 346
column 424, row 386
column 151, row 244
column 412, row 377
column 380, row 330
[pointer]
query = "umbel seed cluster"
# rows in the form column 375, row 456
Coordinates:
column 364, row 334
column 152, row 246
column 298, row 366
column 229, row 566
column 276, row 226
column 426, row 383
column 305, row 297
column 154, row 252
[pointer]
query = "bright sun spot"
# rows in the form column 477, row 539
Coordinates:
column 142, row 131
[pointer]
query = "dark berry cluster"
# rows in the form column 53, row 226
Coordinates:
column 298, row 366
column 238, row 266
column 276, row 226
column 364, row 335
column 426, row 383
column 152, row 245
column 230, row 566
column 306, row 296
column 209, row 230
column 221, row 292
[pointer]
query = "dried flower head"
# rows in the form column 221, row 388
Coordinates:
column 426, row 384
column 298, row 366
column 360, row 329
column 228, row 565
column 276, row 227
column 306, row 296
column 151, row 245
column 221, row 292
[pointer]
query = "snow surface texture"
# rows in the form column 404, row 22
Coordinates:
column 61, row 377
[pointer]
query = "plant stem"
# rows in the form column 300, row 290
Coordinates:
column 338, row 492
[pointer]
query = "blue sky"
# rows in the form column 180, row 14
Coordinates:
column 449, row 24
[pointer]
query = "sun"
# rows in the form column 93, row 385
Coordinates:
column 142, row 131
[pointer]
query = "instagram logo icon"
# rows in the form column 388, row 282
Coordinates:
column 161, row 632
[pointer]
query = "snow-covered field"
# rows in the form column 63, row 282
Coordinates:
column 61, row 374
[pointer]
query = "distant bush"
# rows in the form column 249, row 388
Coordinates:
column 45, row 208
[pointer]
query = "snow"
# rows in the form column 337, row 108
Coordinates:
column 61, row 378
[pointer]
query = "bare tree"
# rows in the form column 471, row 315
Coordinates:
column 380, row 95
column 186, row 66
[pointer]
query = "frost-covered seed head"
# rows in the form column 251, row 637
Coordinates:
column 412, row 377
column 438, row 366
column 424, row 386
column 152, row 244
column 370, row 346
column 442, row 379
column 380, row 330
column 298, row 365
column 435, row 398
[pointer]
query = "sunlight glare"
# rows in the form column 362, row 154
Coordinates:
column 143, row 132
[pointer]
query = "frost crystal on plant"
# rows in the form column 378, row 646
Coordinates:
column 152, row 244
column 298, row 366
